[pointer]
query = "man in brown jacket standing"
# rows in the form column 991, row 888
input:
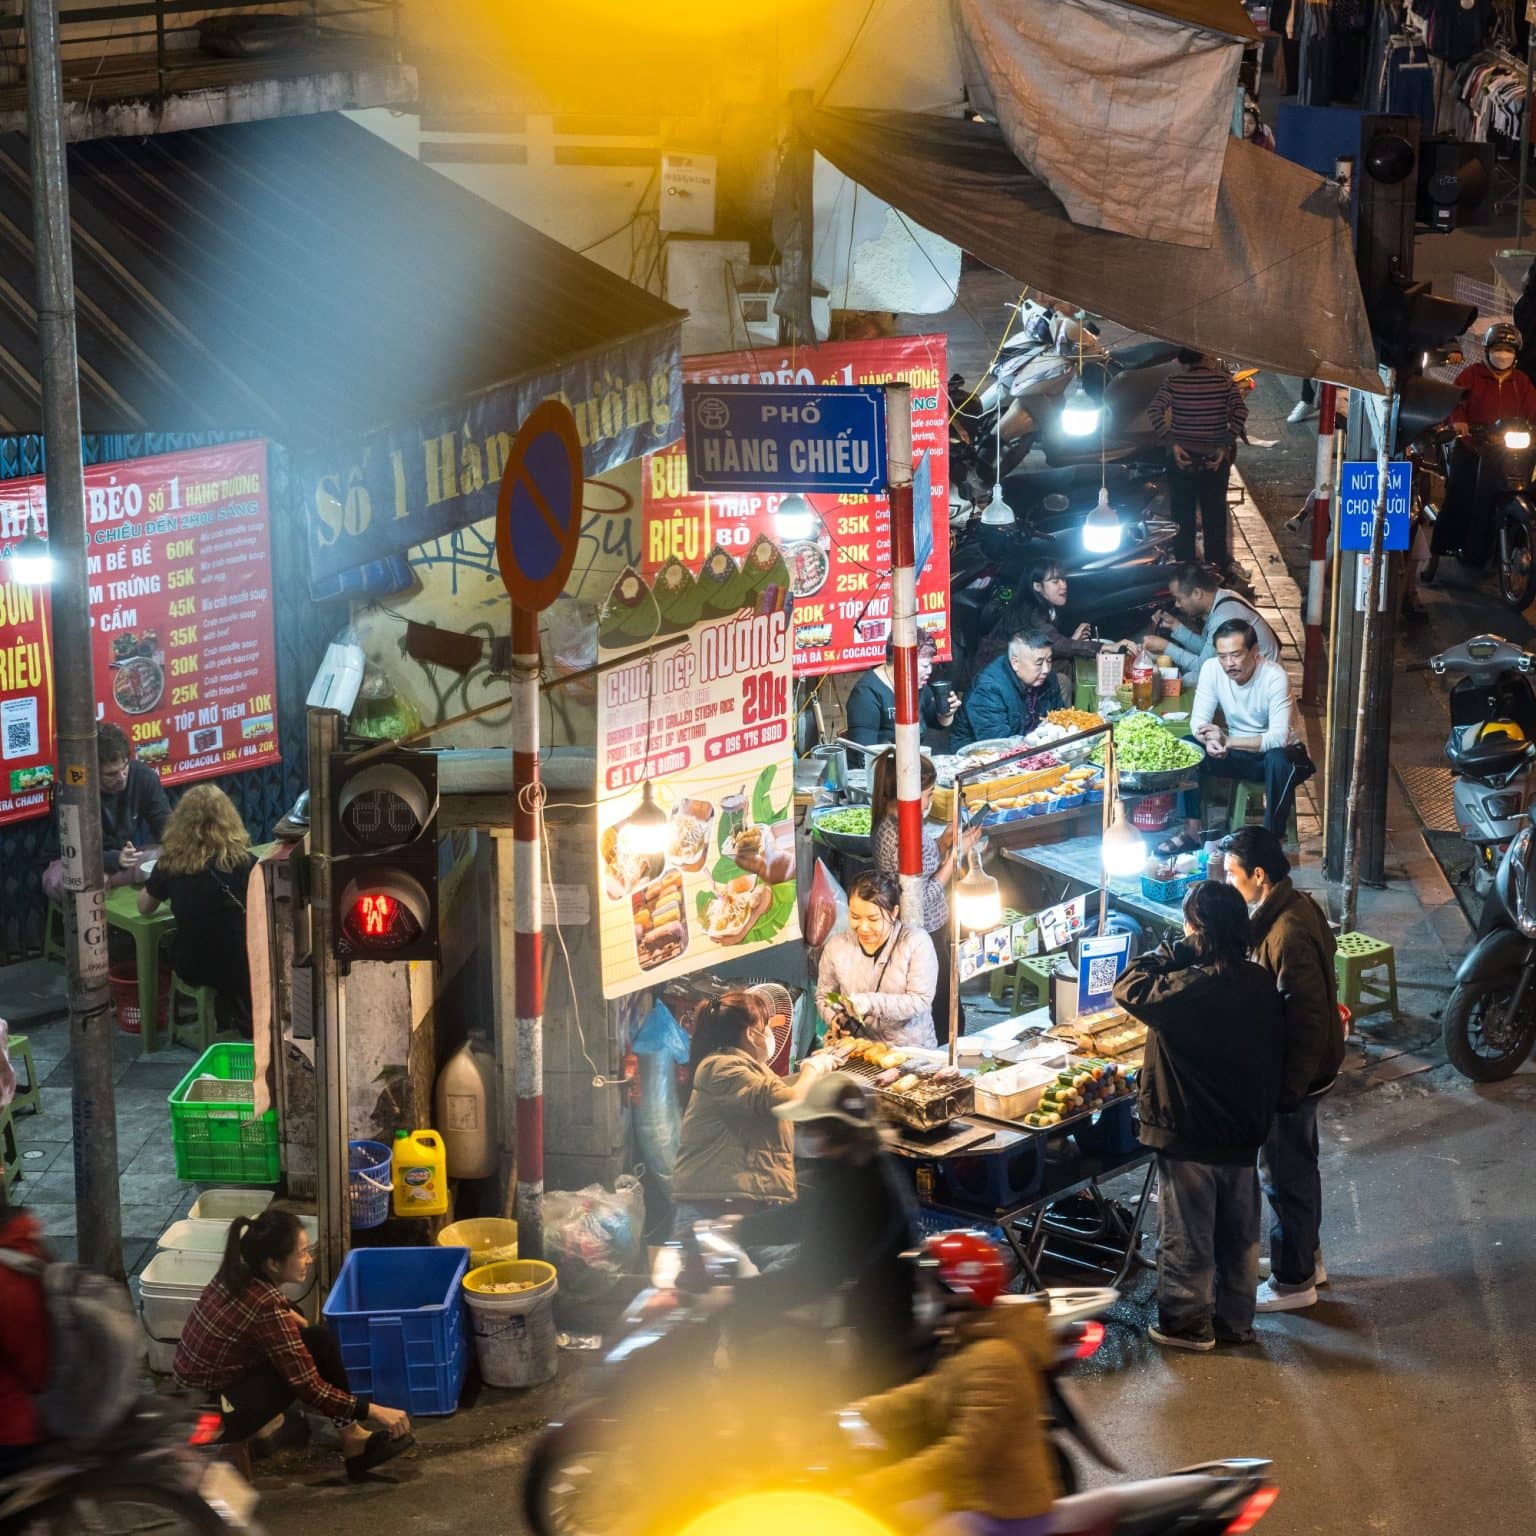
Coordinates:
column 1293, row 942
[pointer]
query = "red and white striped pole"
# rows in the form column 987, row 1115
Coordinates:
column 1322, row 497
column 528, row 930
column 909, row 798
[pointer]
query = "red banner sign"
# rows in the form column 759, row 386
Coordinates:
column 179, row 572
column 841, row 574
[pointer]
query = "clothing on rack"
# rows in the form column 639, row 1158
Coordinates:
column 1489, row 92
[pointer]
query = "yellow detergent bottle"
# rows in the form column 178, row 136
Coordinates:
column 420, row 1170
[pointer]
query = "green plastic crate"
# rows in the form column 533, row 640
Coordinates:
column 223, row 1143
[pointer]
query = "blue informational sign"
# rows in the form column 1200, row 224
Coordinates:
column 1357, row 505
column 1099, row 963
column 758, row 437
column 922, row 511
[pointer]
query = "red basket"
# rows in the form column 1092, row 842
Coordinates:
column 123, row 983
column 1152, row 812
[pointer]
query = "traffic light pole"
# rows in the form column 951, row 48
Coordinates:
column 77, row 794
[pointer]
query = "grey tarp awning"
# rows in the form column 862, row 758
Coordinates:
column 1277, row 288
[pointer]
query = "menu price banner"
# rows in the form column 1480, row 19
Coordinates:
column 700, row 723
column 840, row 576
column 179, row 578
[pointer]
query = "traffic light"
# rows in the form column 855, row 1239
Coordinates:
column 383, row 825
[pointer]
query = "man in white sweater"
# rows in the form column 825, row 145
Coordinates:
column 1259, row 737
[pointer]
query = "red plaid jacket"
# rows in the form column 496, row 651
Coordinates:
column 229, row 1335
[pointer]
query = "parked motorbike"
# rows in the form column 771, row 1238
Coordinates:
column 1492, row 743
column 650, row 1447
column 1490, row 1020
column 156, row 1472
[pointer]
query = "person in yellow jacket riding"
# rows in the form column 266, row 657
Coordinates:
column 978, row 1460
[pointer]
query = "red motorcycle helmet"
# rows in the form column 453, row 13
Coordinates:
column 967, row 1266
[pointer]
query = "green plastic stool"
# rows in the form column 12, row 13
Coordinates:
column 11, row 1151
column 53, row 933
column 1035, row 971
column 1355, row 964
column 200, row 1033
column 1246, row 796
column 29, row 1098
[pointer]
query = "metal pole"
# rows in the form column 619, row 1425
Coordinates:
column 1322, row 494
column 1525, row 143
column 332, row 1120
column 909, row 807
column 78, row 792
column 528, row 947
column 954, row 925
column 1370, row 632
column 1111, row 799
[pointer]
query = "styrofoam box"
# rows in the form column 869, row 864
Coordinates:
column 197, row 1235
column 226, row 1204
column 1013, row 1091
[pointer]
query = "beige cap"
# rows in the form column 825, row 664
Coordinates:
column 837, row 1096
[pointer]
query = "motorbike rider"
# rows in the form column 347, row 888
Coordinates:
column 980, row 1463
column 1495, row 391
column 23, row 1343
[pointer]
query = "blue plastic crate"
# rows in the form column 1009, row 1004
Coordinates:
column 932, row 1223
column 398, row 1314
column 1001, row 1172
column 1111, row 1133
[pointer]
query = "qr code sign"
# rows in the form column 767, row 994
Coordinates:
column 1102, row 973
column 18, row 728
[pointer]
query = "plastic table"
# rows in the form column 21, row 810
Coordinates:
column 1077, row 860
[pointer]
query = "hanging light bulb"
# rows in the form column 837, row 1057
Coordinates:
column 31, row 563
column 1079, row 411
column 795, row 518
column 1125, row 850
column 646, row 830
column 1101, row 528
column 978, row 897
column 997, row 513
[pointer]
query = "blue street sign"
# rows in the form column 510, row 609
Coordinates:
column 922, row 511
column 750, row 437
column 1357, row 505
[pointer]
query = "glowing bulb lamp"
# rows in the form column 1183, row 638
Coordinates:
column 646, row 829
column 978, row 898
column 31, row 564
column 1079, row 412
column 795, row 518
column 1125, row 850
column 997, row 513
column 1101, row 528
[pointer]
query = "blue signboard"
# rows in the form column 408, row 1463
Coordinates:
column 1099, row 962
column 751, row 437
column 1357, row 504
column 922, row 511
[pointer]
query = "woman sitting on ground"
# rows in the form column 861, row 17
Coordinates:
column 245, row 1342
column 204, row 866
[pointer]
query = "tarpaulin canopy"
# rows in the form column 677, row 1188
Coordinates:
column 1277, row 287
column 1122, row 110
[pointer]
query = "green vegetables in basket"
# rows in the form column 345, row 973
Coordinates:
column 852, row 822
column 1144, row 745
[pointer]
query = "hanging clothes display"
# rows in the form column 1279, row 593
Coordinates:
column 1314, row 81
column 1489, row 96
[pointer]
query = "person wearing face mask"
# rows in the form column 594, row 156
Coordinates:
column 733, row 1156
column 852, row 1226
column 1011, row 695
column 878, row 978
column 1291, row 939
column 1495, row 391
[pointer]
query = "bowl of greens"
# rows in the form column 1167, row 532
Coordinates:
column 844, row 827
column 1149, row 756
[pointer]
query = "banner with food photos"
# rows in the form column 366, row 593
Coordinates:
column 695, row 768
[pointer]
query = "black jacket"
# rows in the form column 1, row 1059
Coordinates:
column 853, row 1221
column 136, row 814
column 1215, row 1056
column 998, row 705
column 1293, row 942
column 871, row 710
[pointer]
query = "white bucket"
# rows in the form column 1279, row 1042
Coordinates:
column 168, row 1290
column 515, row 1339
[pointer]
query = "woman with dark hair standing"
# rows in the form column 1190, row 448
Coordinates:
column 245, row 1342
column 1210, row 1084
column 879, row 977
column 733, row 1156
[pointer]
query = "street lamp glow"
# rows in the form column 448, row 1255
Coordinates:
column 31, row 563
column 1101, row 528
column 795, row 518
column 1079, row 411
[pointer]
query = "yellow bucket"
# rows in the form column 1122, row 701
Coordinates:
column 538, row 1276
column 490, row 1239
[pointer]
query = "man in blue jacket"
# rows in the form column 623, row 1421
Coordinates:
column 1011, row 695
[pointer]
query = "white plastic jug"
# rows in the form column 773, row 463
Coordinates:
column 465, row 1101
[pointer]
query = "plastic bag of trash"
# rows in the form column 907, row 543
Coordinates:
column 826, row 908
column 661, row 1047
column 594, row 1235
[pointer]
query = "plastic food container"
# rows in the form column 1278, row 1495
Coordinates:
column 1013, row 1091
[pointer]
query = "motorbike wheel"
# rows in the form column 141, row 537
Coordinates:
column 105, row 1508
column 1482, row 1041
column 564, row 1492
column 1517, row 564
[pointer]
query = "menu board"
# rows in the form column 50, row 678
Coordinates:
column 179, row 576
column 841, row 575
column 694, row 712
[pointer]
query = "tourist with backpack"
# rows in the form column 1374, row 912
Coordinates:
column 245, row 1342
column 23, row 1340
